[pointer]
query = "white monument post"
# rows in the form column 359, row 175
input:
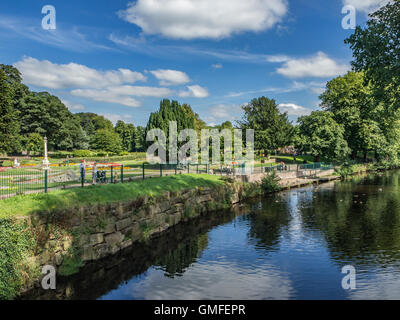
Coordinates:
column 46, row 162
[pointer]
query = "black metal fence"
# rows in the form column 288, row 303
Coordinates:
column 28, row 180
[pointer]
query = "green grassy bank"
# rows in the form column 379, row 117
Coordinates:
column 102, row 194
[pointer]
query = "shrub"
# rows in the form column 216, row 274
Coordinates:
column 61, row 154
column 270, row 183
column 7, row 163
column 16, row 244
column 102, row 153
column 82, row 153
column 228, row 179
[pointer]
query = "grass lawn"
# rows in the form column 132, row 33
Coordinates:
column 102, row 194
column 290, row 159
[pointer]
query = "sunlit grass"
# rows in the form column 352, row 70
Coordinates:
column 102, row 194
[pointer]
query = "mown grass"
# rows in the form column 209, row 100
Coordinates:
column 102, row 194
column 290, row 159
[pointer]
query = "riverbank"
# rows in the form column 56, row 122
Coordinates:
column 69, row 228
column 25, row 205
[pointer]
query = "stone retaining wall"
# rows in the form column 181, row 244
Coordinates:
column 68, row 239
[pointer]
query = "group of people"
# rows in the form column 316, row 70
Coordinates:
column 94, row 171
column 95, row 174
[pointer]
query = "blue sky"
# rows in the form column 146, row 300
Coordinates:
column 120, row 58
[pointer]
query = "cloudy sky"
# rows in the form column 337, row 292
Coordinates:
column 120, row 58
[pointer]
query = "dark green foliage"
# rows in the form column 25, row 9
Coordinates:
column 173, row 111
column 107, row 140
column 83, row 153
column 139, row 143
column 322, row 136
column 34, row 144
column 272, row 128
column 46, row 115
column 270, row 183
column 376, row 51
column 127, row 134
column 16, row 243
column 9, row 126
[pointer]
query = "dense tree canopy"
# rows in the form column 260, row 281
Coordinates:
column 272, row 128
column 9, row 127
column 376, row 50
column 352, row 103
column 320, row 135
column 107, row 140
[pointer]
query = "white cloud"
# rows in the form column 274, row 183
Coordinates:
column 217, row 66
column 171, row 77
column 293, row 109
column 73, row 106
column 318, row 91
column 103, row 86
column 106, row 96
column 115, row 117
column 294, row 87
column 195, row 92
column 122, row 94
column 223, row 112
column 191, row 19
column 71, row 39
column 277, row 58
column 60, row 76
column 366, row 6
column 318, row 66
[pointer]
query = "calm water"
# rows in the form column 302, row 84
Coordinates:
column 292, row 245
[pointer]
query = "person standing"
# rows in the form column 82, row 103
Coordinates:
column 94, row 173
column 83, row 170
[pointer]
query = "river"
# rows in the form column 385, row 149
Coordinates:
column 290, row 245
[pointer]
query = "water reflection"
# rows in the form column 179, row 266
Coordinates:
column 286, row 246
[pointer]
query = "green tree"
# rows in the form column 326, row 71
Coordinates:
column 139, row 142
column 127, row 134
column 173, row 111
column 46, row 115
column 9, row 126
column 376, row 50
column 92, row 122
column 34, row 143
column 106, row 140
column 352, row 103
column 322, row 136
column 272, row 128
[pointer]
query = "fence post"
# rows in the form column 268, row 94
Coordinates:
column 188, row 168
column 83, row 177
column 45, row 181
column 112, row 174
column 143, row 170
column 122, row 173
column 176, row 169
column 197, row 170
column 160, row 170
